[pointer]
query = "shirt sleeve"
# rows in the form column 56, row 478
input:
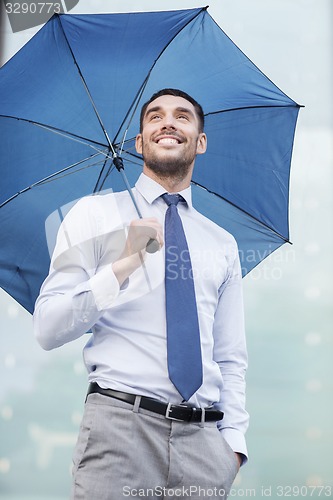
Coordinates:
column 79, row 286
column 230, row 353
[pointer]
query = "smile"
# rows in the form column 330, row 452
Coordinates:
column 168, row 139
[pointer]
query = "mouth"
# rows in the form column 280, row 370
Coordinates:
column 168, row 140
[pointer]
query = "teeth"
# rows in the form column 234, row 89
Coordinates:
column 167, row 140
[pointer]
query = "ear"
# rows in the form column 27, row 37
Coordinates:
column 201, row 144
column 138, row 144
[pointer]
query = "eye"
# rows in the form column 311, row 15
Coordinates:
column 155, row 117
column 182, row 117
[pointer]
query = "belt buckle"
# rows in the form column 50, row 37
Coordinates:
column 169, row 410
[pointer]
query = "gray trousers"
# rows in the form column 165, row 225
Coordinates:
column 128, row 452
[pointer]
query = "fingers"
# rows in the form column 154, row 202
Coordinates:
column 141, row 231
column 155, row 226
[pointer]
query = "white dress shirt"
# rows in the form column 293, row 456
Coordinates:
column 126, row 350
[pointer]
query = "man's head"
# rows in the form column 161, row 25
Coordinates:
column 171, row 135
column 175, row 93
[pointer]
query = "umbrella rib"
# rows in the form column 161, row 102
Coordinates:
column 141, row 89
column 67, row 136
column 59, row 131
column 49, row 177
column 96, row 188
column 133, row 107
column 252, row 107
column 286, row 240
column 88, row 91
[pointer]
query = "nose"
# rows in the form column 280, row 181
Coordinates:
column 169, row 122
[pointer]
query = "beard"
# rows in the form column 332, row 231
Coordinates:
column 168, row 167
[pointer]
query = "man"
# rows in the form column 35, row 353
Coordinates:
column 137, row 438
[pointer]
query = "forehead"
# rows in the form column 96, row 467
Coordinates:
column 171, row 103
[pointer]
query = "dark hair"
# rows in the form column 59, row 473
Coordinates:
column 176, row 93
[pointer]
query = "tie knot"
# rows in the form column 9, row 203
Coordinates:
column 172, row 199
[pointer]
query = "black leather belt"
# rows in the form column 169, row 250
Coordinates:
column 183, row 412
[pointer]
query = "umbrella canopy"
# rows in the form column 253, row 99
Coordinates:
column 71, row 97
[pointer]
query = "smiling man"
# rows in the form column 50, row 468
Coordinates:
column 164, row 414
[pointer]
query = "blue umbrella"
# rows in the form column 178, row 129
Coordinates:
column 69, row 105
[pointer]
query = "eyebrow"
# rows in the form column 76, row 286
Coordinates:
column 180, row 109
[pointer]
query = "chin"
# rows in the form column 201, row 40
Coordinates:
column 169, row 168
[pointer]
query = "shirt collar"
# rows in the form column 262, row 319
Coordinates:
column 151, row 190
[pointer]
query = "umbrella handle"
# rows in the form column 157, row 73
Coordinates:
column 152, row 245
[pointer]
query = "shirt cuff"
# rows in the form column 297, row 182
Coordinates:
column 236, row 441
column 105, row 288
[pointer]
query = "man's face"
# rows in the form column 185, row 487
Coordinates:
column 170, row 137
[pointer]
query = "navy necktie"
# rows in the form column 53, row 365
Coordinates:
column 183, row 334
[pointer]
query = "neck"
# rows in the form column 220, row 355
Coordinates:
column 172, row 184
